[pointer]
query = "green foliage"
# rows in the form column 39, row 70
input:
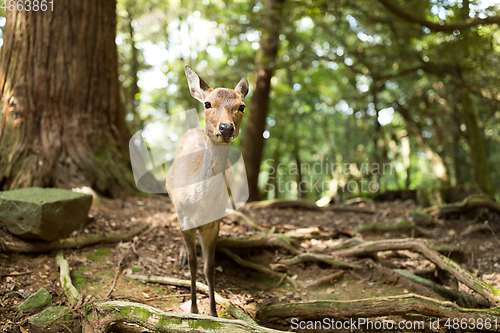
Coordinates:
column 352, row 81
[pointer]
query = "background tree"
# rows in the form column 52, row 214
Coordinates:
column 253, row 144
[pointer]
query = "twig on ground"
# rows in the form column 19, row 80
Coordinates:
column 257, row 267
column 113, row 284
column 245, row 219
column 324, row 280
column 145, row 300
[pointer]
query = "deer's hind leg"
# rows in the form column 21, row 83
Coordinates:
column 209, row 235
column 189, row 237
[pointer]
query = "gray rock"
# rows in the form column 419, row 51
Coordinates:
column 49, row 315
column 43, row 213
column 41, row 298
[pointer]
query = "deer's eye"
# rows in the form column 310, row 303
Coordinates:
column 208, row 105
column 241, row 108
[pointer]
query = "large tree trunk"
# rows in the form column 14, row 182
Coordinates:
column 61, row 119
column 253, row 143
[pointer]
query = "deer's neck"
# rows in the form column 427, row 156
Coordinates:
column 214, row 160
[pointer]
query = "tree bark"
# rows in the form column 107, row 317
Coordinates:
column 253, row 143
column 61, row 118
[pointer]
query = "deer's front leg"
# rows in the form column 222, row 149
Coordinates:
column 183, row 256
column 189, row 237
column 209, row 236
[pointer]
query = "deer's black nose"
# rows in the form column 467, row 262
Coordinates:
column 226, row 130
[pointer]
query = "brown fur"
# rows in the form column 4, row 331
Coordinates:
column 225, row 104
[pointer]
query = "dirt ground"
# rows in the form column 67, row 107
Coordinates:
column 156, row 251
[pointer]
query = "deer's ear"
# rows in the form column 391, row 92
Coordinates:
column 198, row 88
column 242, row 87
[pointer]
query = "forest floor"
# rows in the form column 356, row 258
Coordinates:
column 155, row 253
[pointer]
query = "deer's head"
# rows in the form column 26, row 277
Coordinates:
column 224, row 107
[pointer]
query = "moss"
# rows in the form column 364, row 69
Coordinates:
column 41, row 298
column 126, row 310
column 166, row 322
column 99, row 255
column 78, row 280
column 141, row 314
column 137, row 268
column 40, row 195
column 48, row 315
column 205, row 324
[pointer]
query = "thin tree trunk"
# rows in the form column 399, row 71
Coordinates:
column 301, row 184
column 480, row 167
column 253, row 143
column 134, row 70
column 61, row 118
column 438, row 165
column 474, row 136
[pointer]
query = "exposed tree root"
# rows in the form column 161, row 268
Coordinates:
column 163, row 322
column 421, row 246
column 308, row 233
column 18, row 245
column 313, row 257
column 324, row 280
column 476, row 228
column 284, row 203
column 392, row 227
column 345, row 244
column 461, row 298
column 351, row 209
column 68, row 287
column 245, row 219
column 226, row 304
column 404, row 305
column 471, row 202
column 257, row 267
column 278, row 240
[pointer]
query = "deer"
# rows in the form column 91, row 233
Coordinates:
column 202, row 154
